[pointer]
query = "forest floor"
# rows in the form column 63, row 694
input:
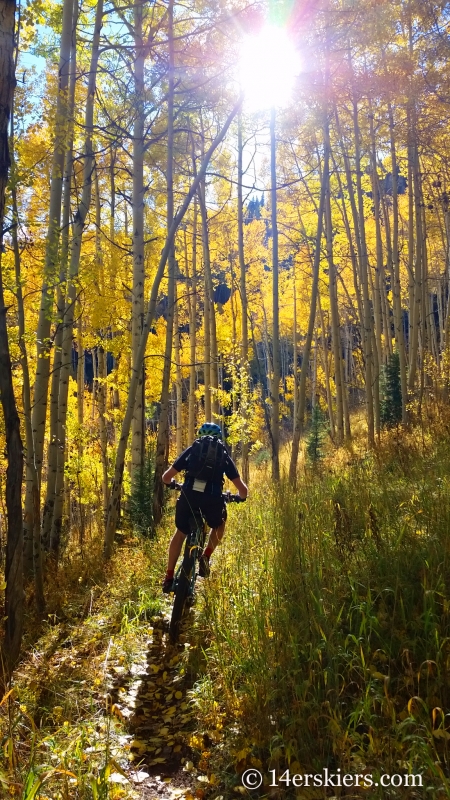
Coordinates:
column 321, row 640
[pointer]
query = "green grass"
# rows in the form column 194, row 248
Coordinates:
column 326, row 621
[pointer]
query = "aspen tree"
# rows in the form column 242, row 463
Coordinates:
column 74, row 263
column 137, row 435
column 53, row 446
column 243, row 288
column 14, row 598
column 275, row 381
column 211, row 355
column 311, row 323
column 178, row 378
column 192, row 306
column 393, row 251
column 332, row 285
column 39, row 407
column 162, row 442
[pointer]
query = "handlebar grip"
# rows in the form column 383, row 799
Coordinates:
column 233, row 498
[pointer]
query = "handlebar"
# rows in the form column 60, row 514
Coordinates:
column 227, row 496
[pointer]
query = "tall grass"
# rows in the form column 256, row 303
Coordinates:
column 327, row 616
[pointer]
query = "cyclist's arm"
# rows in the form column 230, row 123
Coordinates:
column 241, row 487
column 169, row 474
column 178, row 465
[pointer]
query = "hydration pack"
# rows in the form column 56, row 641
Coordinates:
column 207, row 459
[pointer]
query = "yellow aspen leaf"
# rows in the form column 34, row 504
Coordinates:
column 178, row 695
column 441, row 734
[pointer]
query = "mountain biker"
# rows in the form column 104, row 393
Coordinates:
column 205, row 462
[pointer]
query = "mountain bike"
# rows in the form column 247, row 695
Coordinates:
column 186, row 574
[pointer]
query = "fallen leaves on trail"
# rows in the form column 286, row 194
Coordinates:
column 155, row 706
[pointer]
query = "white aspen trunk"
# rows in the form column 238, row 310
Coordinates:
column 211, row 356
column 26, row 392
column 275, row 383
column 370, row 376
column 52, row 454
column 326, row 369
column 311, row 324
column 192, row 305
column 162, row 442
column 39, row 406
column 395, row 273
column 137, row 435
column 75, row 253
column 335, row 325
column 178, row 380
column 243, row 293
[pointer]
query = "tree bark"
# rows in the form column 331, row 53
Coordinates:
column 275, row 382
column 243, row 292
column 14, row 597
column 311, row 323
column 75, row 254
column 39, row 408
column 163, row 426
column 137, row 435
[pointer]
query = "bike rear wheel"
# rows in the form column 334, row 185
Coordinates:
column 185, row 580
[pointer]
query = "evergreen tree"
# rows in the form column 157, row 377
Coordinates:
column 140, row 504
column 316, row 436
column 391, row 393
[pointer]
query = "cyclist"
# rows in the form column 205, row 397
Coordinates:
column 205, row 462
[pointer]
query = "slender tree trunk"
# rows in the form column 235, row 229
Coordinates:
column 335, row 324
column 53, row 447
column 326, row 370
column 395, row 273
column 364, row 266
column 137, row 436
column 75, row 254
column 243, row 291
column 312, row 316
column 14, row 598
column 101, row 403
column 163, row 427
column 192, row 305
column 295, row 353
column 39, row 408
column 178, row 379
column 275, row 382
column 211, row 356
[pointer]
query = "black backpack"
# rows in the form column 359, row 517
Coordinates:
column 207, row 459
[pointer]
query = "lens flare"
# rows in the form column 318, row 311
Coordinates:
column 268, row 66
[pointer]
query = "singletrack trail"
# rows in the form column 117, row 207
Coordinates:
column 152, row 700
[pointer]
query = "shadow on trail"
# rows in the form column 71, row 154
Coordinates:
column 153, row 701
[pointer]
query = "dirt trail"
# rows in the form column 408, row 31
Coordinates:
column 152, row 700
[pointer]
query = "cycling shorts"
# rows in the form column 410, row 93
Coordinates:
column 213, row 509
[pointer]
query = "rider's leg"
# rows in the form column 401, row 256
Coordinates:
column 176, row 543
column 215, row 537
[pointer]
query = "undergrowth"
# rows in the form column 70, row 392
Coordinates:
column 326, row 621
column 58, row 740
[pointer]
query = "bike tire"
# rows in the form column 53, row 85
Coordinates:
column 179, row 603
column 184, row 581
